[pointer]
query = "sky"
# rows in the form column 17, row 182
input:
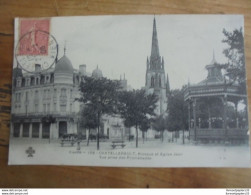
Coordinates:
column 120, row 45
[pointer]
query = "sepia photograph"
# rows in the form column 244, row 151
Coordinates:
column 130, row 91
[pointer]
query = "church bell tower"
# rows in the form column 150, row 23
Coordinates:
column 155, row 75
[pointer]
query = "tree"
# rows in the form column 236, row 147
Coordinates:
column 136, row 107
column 235, row 68
column 159, row 125
column 89, row 119
column 101, row 95
column 144, row 126
column 177, row 111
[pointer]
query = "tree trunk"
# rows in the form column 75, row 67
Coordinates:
column 162, row 136
column 172, row 137
column 88, row 138
column 98, row 132
column 143, row 136
column 183, row 136
column 136, row 136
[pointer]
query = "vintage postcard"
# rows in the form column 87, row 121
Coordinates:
column 130, row 91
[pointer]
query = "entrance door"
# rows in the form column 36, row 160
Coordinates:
column 16, row 132
column 35, row 130
column 26, row 127
column 46, row 130
column 62, row 128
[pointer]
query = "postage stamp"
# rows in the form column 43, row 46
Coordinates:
column 36, row 45
column 34, row 41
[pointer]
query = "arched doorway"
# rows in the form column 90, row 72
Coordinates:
column 62, row 128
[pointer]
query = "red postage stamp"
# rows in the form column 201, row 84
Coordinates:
column 34, row 36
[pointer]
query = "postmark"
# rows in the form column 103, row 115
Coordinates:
column 35, row 45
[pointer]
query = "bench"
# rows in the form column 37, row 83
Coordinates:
column 118, row 143
column 69, row 139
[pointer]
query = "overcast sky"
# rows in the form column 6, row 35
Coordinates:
column 121, row 44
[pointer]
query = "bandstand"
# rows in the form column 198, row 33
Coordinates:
column 213, row 109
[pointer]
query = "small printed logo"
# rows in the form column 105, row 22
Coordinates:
column 30, row 151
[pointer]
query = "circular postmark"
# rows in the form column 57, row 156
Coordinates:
column 36, row 47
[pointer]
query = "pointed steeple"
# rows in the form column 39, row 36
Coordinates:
column 167, row 84
column 147, row 64
column 64, row 48
column 213, row 60
column 155, row 44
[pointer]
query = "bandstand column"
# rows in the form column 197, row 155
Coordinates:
column 236, row 114
column 224, row 100
column 209, row 117
column 189, row 118
column 194, row 118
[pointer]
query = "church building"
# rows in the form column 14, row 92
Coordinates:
column 156, row 81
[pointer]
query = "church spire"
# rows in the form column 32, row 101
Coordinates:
column 155, row 45
column 167, row 84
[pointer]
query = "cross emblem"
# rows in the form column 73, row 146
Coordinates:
column 30, row 151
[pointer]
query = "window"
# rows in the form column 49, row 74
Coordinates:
column 18, row 97
column 63, row 100
column 152, row 81
column 26, row 96
column 36, row 94
column 48, row 94
column 63, row 107
column 36, row 107
column 27, row 82
column 48, row 107
column 18, row 82
column 55, row 93
column 63, row 92
column 44, row 107
column 63, row 96
column 55, row 107
column 71, row 93
column 44, row 95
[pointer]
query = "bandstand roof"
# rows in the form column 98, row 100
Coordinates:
column 214, row 85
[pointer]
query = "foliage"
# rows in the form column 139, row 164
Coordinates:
column 177, row 111
column 136, row 108
column 144, row 125
column 100, row 93
column 88, row 118
column 235, row 68
column 160, row 125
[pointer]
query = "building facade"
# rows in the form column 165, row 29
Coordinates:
column 44, row 106
column 43, row 103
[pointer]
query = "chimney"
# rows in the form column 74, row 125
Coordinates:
column 82, row 69
column 37, row 67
